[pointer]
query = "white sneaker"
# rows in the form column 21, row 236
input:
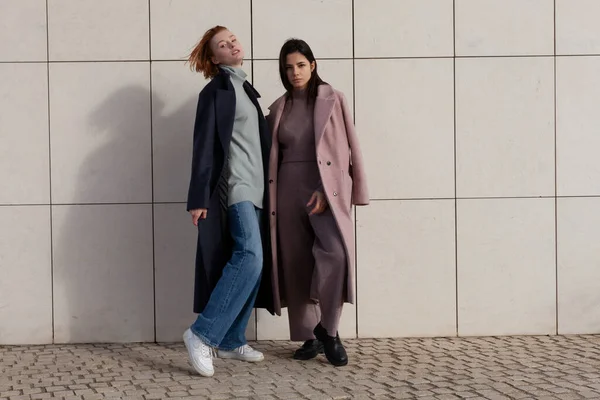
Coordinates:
column 200, row 353
column 243, row 353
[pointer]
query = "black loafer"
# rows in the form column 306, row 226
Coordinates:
column 310, row 349
column 333, row 347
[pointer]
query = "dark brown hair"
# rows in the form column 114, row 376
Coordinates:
column 200, row 58
column 299, row 46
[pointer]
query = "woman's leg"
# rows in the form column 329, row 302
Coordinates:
column 295, row 241
column 237, row 332
column 231, row 296
column 329, row 279
column 329, row 283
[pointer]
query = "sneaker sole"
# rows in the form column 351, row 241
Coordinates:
column 235, row 357
column 202, row 371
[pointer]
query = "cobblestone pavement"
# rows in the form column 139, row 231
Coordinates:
column 556, row 367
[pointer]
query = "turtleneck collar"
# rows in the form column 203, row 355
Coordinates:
column 234, row 71
column 299, row 94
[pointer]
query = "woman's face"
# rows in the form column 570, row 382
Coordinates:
column 298, row 70
column 226, row 49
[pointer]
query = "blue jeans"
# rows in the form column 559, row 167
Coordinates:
column 224, row 320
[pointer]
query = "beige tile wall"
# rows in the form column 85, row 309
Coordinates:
column 478, row 122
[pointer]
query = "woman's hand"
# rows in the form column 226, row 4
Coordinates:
column 319, row 201
column 197, row 214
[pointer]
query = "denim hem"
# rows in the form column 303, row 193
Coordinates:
column 203, row 338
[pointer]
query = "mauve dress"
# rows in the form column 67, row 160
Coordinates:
column 312, row 255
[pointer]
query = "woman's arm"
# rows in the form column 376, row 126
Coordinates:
column 202, row 159
column 360, row 193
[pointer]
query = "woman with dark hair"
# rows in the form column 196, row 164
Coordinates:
column 316, row 173
column 226, row 196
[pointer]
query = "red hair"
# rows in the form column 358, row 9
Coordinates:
column 200, row 57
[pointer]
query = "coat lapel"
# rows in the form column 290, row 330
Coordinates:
column 225, row 104
column 324, row 105
column 277, row 110
column 253, row 95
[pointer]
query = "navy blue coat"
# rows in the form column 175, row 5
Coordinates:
column 213, row 128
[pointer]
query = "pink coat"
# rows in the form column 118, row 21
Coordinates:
column 342, row 175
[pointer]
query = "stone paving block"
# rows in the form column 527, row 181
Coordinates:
column 177, row 394
column 41, row 396
column 95, row 396
column 154, row 396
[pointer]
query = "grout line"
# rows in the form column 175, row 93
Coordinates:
column 50, row 174
column 252, row 37
column 89, row 204
column 25, row 205
column 30, row 62
column 372, row 200
column 252, row 78
column 152, row 165
column 456, row 304
column 555, row 182
column 576, row 55
column 318, row 58
column 362, row 58
column 469, row 198
column 355, row 211
column 433, row 57
column 505, row 56
column 92, row 61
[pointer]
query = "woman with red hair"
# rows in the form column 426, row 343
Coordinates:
column 226, row 197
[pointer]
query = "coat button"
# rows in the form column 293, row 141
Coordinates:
column 270, row 180
column 335, row 193
column 328, row 162
column 273, row 213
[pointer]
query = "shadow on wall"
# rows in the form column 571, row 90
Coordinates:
column 104, row 274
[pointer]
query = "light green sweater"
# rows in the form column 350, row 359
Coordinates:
column 246, row 177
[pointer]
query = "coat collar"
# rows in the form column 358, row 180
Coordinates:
column 226, row 103
column 225, row 83
column 323, row 108
column 325, row 91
